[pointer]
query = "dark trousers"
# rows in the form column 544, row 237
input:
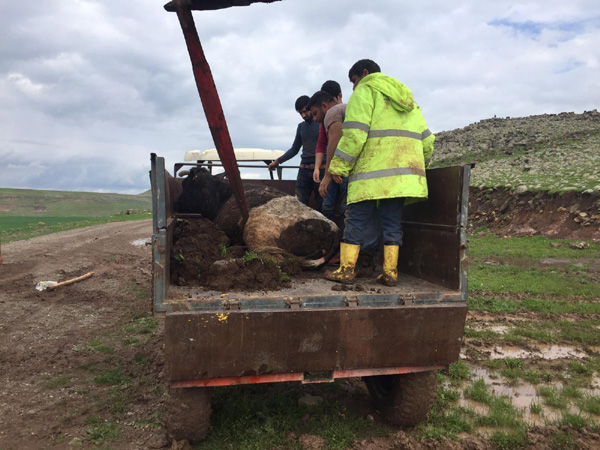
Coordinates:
column 336, row 199
column 305, row 186
column 360, row 217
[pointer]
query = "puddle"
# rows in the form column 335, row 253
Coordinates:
column 549, row 352
column 500, row 329
column 553, row 261
column 522, row 397
column 556, row 261
column 140, row 242
column 510, row 352
column 472, row 405
column 486, row 318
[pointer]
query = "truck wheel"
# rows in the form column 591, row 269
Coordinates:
column 404, row 400
column 188, row 413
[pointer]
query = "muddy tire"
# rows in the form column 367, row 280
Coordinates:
column 404, row 400
column 188, row 414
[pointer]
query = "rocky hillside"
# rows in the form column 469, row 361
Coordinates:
column 549, row 152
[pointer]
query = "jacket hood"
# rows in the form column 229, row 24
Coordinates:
column 400, row 96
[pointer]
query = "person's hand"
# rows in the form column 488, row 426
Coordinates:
column 317, row 175
column 324, row 184
column 337, row 179
column 273, row 165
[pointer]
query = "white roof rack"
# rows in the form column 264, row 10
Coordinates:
column 241, row 154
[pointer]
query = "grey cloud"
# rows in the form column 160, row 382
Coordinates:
column 88, row 89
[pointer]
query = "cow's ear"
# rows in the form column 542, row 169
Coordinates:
column 220, row 176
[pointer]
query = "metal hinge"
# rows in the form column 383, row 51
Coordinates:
column 293, row 303
column 231, row 304
column 408, row 299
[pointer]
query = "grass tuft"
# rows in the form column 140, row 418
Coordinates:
column 102, row 431
column 57, row 382
column 509, row 440
column 577, row 421
column 563, row 440
column 113, row 377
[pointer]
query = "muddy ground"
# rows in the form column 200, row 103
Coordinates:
column 82, row 366
column 69, row 355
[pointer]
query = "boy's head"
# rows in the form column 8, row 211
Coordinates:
column 301, row 107
column 319, row 104
column 361, row 69
column 334, row 89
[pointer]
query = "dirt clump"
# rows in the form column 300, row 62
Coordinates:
column 312, row 442
column 197, row 244
column 202, row 256
column 243, row 275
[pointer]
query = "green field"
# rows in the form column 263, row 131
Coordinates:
column 26, row 213
column 38, row 203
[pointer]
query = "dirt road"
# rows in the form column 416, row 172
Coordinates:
column 73, row 359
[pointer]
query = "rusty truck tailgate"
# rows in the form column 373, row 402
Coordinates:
column 208, row 345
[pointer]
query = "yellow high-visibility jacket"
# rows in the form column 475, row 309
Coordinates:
column 385, row 144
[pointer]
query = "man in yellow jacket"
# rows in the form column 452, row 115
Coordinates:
column 384, row 150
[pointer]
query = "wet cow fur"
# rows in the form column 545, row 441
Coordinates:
column 203, row 193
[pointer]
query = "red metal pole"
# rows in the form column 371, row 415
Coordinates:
column 211, row 104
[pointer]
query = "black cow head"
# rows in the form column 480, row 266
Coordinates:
column 203, row 193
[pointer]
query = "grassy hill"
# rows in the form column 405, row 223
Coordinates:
column 549, row 152
column 26, row 213
column 37, row 203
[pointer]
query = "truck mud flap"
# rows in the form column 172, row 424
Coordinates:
column 209, row 345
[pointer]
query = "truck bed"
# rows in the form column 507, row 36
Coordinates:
column 432, row 267
column 311, row 290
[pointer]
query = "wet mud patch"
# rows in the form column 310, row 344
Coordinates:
column 550, row 383
column 538, row 401
column 543, row 262
column 243, row 275
column 537, row 437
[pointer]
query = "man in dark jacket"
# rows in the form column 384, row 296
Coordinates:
column 307, row 134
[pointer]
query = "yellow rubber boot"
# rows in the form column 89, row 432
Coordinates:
column 348, row 256
column 389, row 277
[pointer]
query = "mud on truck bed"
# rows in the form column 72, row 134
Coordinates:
column 394, row 337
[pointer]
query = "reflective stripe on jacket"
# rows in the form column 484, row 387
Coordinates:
column 385, row 144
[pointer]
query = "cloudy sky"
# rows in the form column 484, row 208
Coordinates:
column 88, row 89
